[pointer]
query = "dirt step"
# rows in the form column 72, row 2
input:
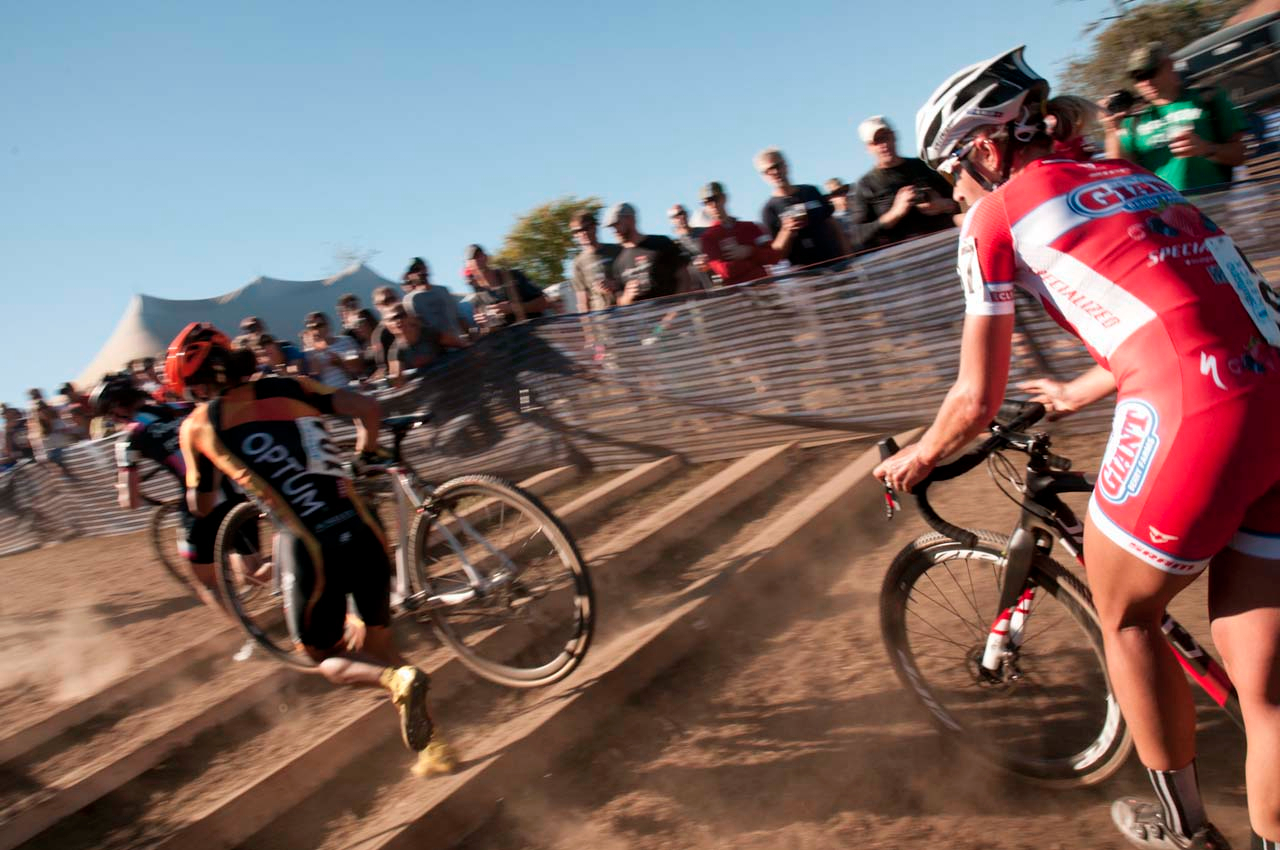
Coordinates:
column 218, row 643
column 376, row 803
column 665, row 512
column 61, row 763
column 185, row 776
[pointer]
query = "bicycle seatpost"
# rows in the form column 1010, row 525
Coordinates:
column 888, row 448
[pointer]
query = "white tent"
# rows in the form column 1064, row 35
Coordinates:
column 149, row 323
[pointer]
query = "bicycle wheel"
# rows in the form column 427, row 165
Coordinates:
column 249, row 586
column 164, row 530
column 533, row 622
column 1050, row 716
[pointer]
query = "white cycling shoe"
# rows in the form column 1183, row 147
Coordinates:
column 1142, row 823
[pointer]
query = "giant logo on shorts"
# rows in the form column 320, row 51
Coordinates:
column 1130, row 451
column 1136, row 193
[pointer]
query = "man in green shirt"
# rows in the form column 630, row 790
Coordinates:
column 1189, row 137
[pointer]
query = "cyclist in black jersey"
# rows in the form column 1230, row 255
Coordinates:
column 269, row 437
column 151, row 432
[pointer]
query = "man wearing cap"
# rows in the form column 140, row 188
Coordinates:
column 333, row 360
column 689, row 238
column 295, row 360
column 504, row 296
column 1189, row 137
column 647, row 266
column 838, row 196
column 737, row 251
column 900, row 197
column 592, row 272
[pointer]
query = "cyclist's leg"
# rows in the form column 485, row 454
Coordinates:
column 1148, row 682
column 317, row 620
column 1244, row 605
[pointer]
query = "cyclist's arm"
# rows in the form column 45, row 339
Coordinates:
column 1064, row 398
column 972, row 402
column 366, row 412
column 203, row 477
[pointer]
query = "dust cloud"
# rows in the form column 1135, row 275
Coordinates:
column 75, row 655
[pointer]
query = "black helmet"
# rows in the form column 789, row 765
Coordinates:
column 112, row 390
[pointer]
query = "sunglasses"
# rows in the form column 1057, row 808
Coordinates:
column 948, row 167
column 1144, row 76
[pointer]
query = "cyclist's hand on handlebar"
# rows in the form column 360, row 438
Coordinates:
column 1056, row 396
column 904, row 470
column 372, row 459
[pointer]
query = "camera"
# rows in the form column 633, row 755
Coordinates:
column 1119, row 101
column 921, row 195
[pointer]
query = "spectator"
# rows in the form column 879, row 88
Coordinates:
column 73, row 410
column 592, row 273
column 361, row 329
column 146, row 379
column 505, row 295
column 295, row 361
column 348, row 306
column 434, row 306
column 16, row 445
column 416, row 345
column 690, row 241
column 838, row 197
column 900, row 197
column 384, row 298
column 798, row 216
column 333, row 361
column 45, row 429
column 737, row 251
column 1189, row 137
column 268, row 354
column 646, row 266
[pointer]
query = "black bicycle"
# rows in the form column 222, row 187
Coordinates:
column 1001, row 643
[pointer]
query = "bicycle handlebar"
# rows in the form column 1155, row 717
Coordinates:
column 1016, row 415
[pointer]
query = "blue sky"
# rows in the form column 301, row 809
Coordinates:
column 183, row 150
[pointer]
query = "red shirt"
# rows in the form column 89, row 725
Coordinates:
column 717, row 239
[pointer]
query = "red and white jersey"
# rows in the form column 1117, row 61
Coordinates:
column 1120, row 259
column 1161, row 298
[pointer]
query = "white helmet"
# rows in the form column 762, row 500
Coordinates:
column 990, row 92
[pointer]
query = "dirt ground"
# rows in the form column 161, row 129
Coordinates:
column 790, row 730
column 786, row 729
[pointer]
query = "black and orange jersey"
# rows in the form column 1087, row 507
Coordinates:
column 269, row 437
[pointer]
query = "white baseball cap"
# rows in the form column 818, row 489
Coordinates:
column 867, row 129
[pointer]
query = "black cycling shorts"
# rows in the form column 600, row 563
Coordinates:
column 354, row 562
column 202, row 531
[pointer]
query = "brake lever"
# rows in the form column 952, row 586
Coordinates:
column 888, row 448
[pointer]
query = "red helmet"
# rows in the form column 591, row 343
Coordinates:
column 197, row 354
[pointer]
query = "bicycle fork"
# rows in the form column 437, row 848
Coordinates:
column 1014, row 609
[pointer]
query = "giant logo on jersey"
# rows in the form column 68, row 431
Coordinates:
column 1130, row 451
column 1136, row 193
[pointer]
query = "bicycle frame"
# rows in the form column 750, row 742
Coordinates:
column 414, row 495
column 1036, row 534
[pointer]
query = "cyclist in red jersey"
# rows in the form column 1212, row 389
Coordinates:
column 269, row 437
column 1186, row 332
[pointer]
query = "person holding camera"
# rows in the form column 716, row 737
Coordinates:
column 1189, row 137
column 898, row 199
column 798, row 216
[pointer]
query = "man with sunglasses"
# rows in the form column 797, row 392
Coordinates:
column 1190, row 137
column 593, row 280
